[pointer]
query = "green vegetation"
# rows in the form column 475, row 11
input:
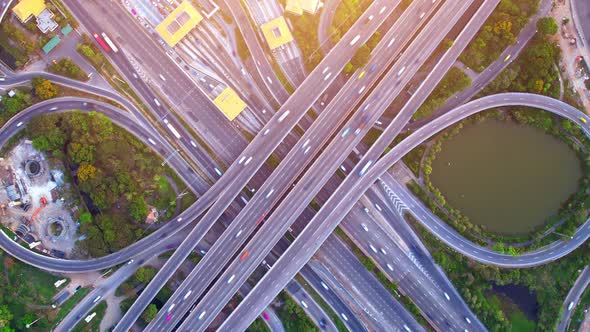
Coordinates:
column 12, row 105
column 150, row 313
column 550, row 283
column 519, row 323
column 413, row 159
column 292, row 315
column 25, row 295
column 347, row 13
column 305, row 29
column 498, row 32
column 533, row 71
column 578, row 314
column 15, row 46
column 453, row 82
column 114, row 174
column 258, row 326
column 547, row 26
column 44, row 89
column 67, row 67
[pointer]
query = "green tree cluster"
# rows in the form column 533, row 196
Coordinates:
column 293, row 316
column 499, row 31
column 113, row 172
column 44, row 89
column 305, row 29
column 87, row 49
column 67, row 67
column 533, row 71
column 149, row 313
column 547, row 26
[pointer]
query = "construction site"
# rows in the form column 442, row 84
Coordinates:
column 33, row 204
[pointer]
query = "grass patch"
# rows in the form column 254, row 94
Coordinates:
column 70, row 303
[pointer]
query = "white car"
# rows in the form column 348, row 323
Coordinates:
column 324, row 285
column 365, row 227
column 19, row 124
column 373, row 248
column 383, row 251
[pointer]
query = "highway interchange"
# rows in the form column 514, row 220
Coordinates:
column 227, row 189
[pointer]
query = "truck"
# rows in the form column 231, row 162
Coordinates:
column 102, row 43
column 109, row 42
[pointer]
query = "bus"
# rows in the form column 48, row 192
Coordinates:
column 101, row 42
column 109, row 42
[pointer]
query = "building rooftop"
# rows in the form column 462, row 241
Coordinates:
column 230, row 103
column 182, row 20
column 25, row 9
column 51, row 44
column 276, row 32
column 299, row 6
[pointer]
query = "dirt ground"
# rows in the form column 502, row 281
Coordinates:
column 570, row 52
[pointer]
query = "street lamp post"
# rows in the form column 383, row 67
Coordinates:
column 33, row 322
column 566, row 236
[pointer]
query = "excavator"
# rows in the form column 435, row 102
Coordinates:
column 43, row 204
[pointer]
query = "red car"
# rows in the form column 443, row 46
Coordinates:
column 244, row 255
column 168, row 317
column 265, row 316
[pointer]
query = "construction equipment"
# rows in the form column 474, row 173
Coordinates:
column 43, row 204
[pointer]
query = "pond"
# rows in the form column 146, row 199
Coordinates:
column 505, row 176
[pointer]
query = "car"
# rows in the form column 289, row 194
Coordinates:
column 217, row 171
column 322, row 323
column 407, row 328
column 179, row 219
column 168, row 317
column 344, row 316
column 96, row 299
column 54, row 305
column 324, row 285
column 19, row 124
column 266, row 132
column 357, row 131
column 187, row 294
column 570, row 306
column 370, row 18
column 130, row 262
column 365, row 227
column 467, row 320
column 141, row 261
column 362, row 74
column 378, row 207
column 304, row 304
column 507, row 57
column 193, row 144
column 583, row 120
column 373, row 67
column 171, row 307
column 202, row 252
column 383, row 251
column 345, row 132
column 373, row 248
column 202, row 315
column 77, row 288
column 390, row 267
column 244, row 255
column 238, row 234
column 265, row 316
column 231, row 278
column 447, row 296
column 366, row 209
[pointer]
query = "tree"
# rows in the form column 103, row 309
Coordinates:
column 5, row 316
column 361, row 57
column 150, row 313
column 85, row 217
column 547, row 26
column 138, row 209
column 44, row 89
column 86, row 171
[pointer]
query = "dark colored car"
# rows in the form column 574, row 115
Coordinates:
column 323, row 323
